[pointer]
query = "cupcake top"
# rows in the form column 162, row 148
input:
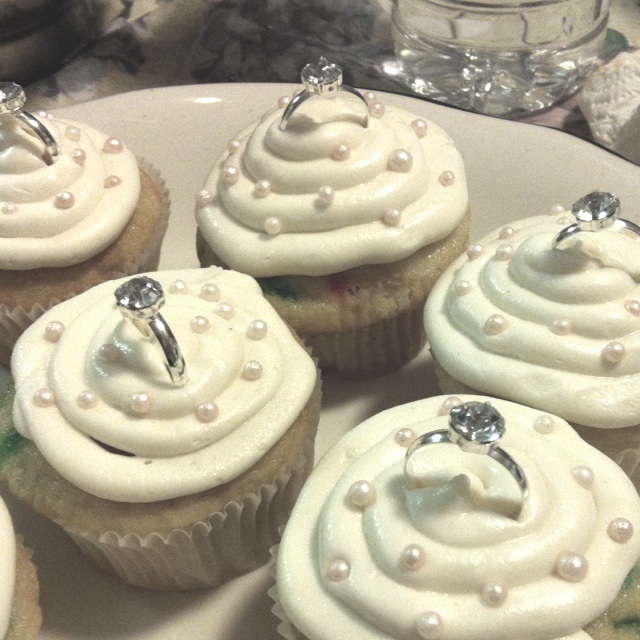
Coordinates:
column 553, row 328
column 96, row 397
column 7, row 568
column 343, row 184
column 446, row 544
column 60, row 213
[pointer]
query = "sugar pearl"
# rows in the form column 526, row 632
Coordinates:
column 362, row 494
column 413, row 557
column 326, row 194
column 369, row 97
column 9, row 208
column 420, row 127
column 252, row 370
column 230, row 174
column 392, row 217
column 53, row 331
column 506, row 233
column 543, row 424
column 495, row 325
column 556, row 210
column 562, row 327
column 494, row 594
column 504, row 252
column 210, row 292
column 199, row 324
column 273, row 226
column 224, row 310
column 572, row 567
column 341, row 152
column 179, row 286
column 448, row 404
column 474, row 251
column 620, row 530
column 613, row 352
column 429, row 625
column 564, row 221
column 262, row 188
column 72, row 133
column 400, row 161
column 113, row 145
column 404, row 437
column 207, row 411
column 79, row 156
column 447, row 178
column 257, row 330
column 203, row 198
column 584, row 476
column 112, row 181
column 376, row 110
column 64, row 200
column 110, row 353
column 284, row 101
column 633, row 307
column 141, row 402
column 233, row 146
column 44, row 398
column 87, row 399
column 338, row 570
column 462, row 287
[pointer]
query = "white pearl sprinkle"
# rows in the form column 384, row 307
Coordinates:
column 495, row 325
column 113, row 145
column 447, row 178
column 224, row 310
column 179, row 286
column 230, row 174
column 392, row 217
column 506, row 233
column 369, row 97
column 494, row 594
column 556, row 210
column 341, row 152
column 404, row 437
column 44, row 114
column 429, row 625
column 141, row 402
column 87, row 399
column 462, row 287
column 79, row 156
column 112, row 181
column 338, row 570
column 257, row 330
column 413, row 557
column 44, row 398
column 284, row 101
column 620, row 530
column 72, row 133
column 326, row 194
column 614, row 352
column 564, row 221
column 504, row 252
column 53, row 331
column 448, row 404
column 376, row 109
column 544, row 424
column 207, row 411
column 562, row 327
column 252, row 370
column 262, row 188
column 64, row 200
column 199, row 324
column 9, row 208
column 633, row 307
column 210, row 292
column 361, row 494
column 110, row 353
column 233, row 146
column 572, row 567
column 420, row 127
column 474, row 251
column 203, row 198
column 400, row 161
column 584, row 476
column 273, row 226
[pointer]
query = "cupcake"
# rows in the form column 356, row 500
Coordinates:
column 346, row 211
column 76, row 208
column 553, row 325
column 404, row 531
column 20, row 615
column 169, row 445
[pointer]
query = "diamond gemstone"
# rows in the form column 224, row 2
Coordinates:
column 477, row 422
column 596, row 210
column 11, row 97
column 139, row 294
column 321, row 77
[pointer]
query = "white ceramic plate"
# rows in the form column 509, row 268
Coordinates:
column 514, row 170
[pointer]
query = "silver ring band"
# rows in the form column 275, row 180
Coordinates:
column 12, row 98
column 140, row 300
column 320, row 79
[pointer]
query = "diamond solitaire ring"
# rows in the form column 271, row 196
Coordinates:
column 320, row 79
column 140, row 300
column 11, row 100
column 476, row 427
column 596, row 211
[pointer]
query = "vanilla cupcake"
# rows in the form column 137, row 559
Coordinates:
column 171, row 458
column 346, row 211
column 76, row 208
column 553, row 327
column 20, row 615
column 398, row 533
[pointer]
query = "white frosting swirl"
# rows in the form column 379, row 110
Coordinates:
column 188, row 438
column 317, row 214
column 557, row 329
column 7, row 569
column 463, row 551
column 67, row 212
